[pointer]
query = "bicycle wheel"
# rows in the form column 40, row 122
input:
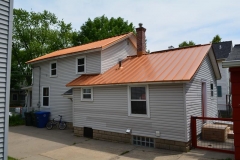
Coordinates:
column 49, row 125
column 62, row 125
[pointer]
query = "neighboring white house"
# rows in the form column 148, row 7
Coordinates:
column 222, row 50
column 116, row 88
column 6, row 20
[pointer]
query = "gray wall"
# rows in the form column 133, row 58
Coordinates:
column 6, row 9
column 66, row 72
column 109, row 111
column 112, row 55
column 224, row 82
column 193, row 93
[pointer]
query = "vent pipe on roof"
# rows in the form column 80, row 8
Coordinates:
column 141, row 43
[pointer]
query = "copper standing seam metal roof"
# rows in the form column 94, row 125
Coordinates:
column 102, row 44
column 163, row 66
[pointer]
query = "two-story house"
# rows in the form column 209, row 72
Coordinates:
column 222, row 50
column 117, row 92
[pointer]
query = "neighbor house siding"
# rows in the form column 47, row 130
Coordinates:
column 112, row 55
column 193, row 93
column 109, row 111
column 224, row 83
column 66, row 72
column 6, row 9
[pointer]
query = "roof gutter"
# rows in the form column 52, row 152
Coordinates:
column 228, row 64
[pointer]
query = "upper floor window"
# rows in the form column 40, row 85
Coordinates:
column 87, row 94
column 138, row 101
column 211, row 87
column 80, row 65
column 45, row 96
column 219, row 91
column 53, row 69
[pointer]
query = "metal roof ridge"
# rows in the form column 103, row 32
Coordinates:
column 168, row 50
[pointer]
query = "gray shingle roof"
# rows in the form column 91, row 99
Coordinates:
column 234, row 54
column 222, row 49
column 68, row 92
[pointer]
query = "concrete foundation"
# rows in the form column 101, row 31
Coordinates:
column 127, row 138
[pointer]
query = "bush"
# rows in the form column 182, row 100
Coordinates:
column 16, row 120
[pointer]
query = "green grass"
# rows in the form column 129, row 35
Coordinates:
column 16, row 120
column 11, row 158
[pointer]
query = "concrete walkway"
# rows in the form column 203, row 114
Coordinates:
column 30, row 143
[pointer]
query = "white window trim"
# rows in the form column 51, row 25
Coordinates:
column 14, row 99
column 147, row 101
column 83, row 99
column 50, row 69
column 84, row 64
column 48, row 97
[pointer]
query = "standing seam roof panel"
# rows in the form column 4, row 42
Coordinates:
column 171, row 65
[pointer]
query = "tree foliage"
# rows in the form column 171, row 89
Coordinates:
column 101, row 28
column 186, row 44
column 216, row 39
column 35, row 34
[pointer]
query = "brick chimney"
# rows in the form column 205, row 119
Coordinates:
column 141, row 44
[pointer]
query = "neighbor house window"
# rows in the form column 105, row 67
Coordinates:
column 87, row 94
column 219, row 91
column 81, row 65
column 211, row 87
column 138, row 101
column 53, row 69
column 14, row 96
column 45, row 96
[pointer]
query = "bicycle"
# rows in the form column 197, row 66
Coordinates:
column 61, row 125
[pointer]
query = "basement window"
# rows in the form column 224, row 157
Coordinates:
column 143, row 141
column 87, row 94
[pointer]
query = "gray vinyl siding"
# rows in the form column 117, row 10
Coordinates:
column 6, row 9
column 224, row 83
column 193, row 93
column 109, row 111
column 112, row 55
column 66, row 72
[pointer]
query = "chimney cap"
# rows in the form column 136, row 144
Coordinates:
column 140, row 24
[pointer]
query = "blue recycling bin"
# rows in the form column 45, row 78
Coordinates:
column 42, row 118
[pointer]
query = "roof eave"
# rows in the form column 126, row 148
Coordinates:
column 129, row 83
column 66, row 55
column 229, row 64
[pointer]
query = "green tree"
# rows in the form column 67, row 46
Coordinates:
column 101, row 28
column 216, row 39
column 186, row 44
column 35, row 34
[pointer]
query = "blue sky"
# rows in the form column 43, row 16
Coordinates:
column 168, row 22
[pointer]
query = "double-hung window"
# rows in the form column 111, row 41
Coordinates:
column 211, row 88
column 138, row 101
column 53, row 69
column 45, row 96
column 80, row 65
column 87, row 94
